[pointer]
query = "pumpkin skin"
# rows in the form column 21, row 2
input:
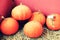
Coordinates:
column 9, row 26
column 21, row 12
column 46, row 6
column 5, row 7
column 33, row 29
column 38, row 16
column 53, row 21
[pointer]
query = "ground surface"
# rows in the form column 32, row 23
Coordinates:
column 47, row 35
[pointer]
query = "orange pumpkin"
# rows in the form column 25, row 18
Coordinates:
column 53, row 21
column 38, row 16
column 21, row 12
column 9, row 26
column 33, row 29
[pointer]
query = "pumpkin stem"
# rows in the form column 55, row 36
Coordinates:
column 39, row 10
column 2, row 17
column 21, row 3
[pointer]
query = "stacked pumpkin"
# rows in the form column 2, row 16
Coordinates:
column 36, row 20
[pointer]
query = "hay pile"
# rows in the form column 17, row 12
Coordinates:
column 47, row 35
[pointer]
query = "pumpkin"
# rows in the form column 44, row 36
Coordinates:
column 21, row 12
column 33, row 29
column 53, row 21
column 9, row 26
column 38, row 16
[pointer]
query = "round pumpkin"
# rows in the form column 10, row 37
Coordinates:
column 21, row 12
column 38, row 16
column 33, row 29
column 53, row 21
column 9, row 26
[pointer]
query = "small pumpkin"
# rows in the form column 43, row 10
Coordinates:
column 9, row 26
column 38, row 16
column 21, row 12
column 33, row 29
